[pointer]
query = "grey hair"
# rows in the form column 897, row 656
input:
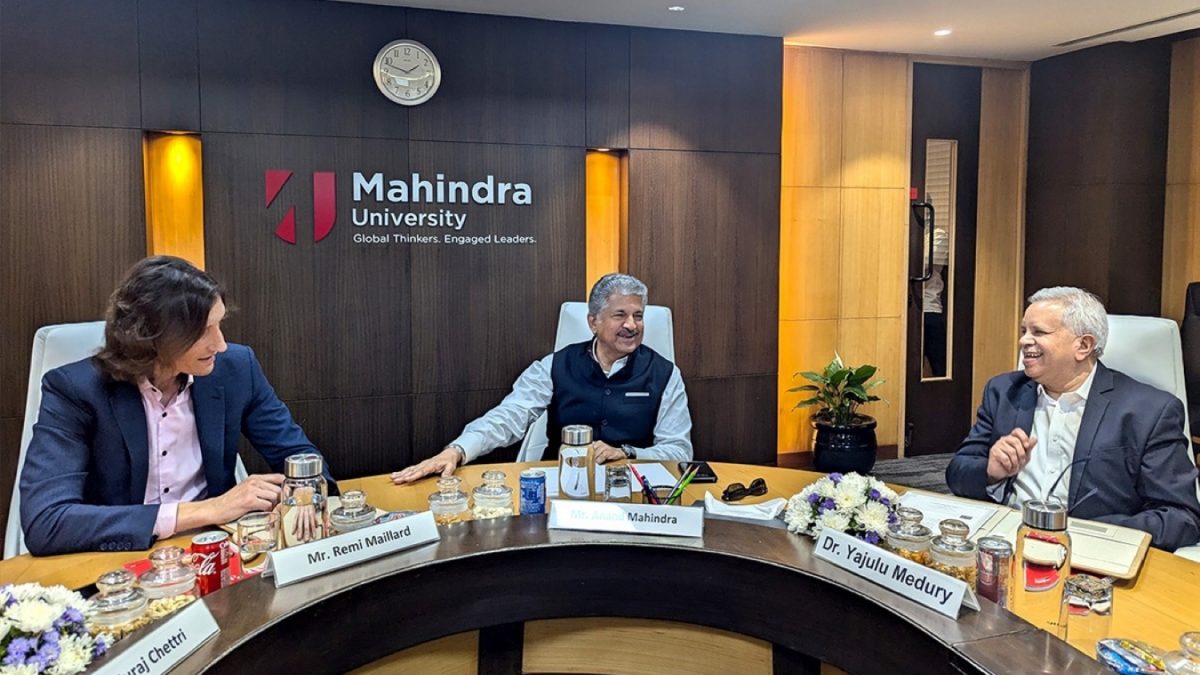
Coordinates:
column 1083, row 312
column 609, row 284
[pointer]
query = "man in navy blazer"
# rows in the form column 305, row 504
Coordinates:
column 1111, row 448
column 100, row 442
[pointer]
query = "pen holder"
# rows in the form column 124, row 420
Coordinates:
column 662, row 492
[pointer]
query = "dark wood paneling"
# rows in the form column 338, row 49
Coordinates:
column 170, row 77
column 71, row 222
column 359, row 436
column 705, row 91
column 70, row 62
column 504, row 80
column 704, row 236
column 328, row 319
column 440, row 418
column 734, row 418
column 1097, row 173
column 10, row 449
column 296, row 67
column 607, row 86
column 486, row 312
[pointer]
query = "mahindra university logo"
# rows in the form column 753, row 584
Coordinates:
column 324, row 204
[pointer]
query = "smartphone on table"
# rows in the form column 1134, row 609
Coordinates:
column 704, row 474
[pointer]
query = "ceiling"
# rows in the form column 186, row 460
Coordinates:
column 1022, row 30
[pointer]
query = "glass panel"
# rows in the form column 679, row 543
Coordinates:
column 937, row 302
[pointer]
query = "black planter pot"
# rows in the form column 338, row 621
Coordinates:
column 844, row 448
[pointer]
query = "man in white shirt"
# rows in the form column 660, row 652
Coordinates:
column 631, row 396
column 1109, row 447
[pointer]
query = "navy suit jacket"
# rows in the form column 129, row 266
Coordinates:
column 1133, row 468
column 84, row 481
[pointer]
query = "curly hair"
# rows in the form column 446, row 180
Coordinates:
column 160, row 310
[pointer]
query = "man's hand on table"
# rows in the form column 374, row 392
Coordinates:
column 259, row 492
column 444, row 463
column 604, row 453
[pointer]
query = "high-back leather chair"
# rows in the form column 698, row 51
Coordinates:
column 1149, row 350
column 1191, row 347
column 658, row 334
column 53, row 346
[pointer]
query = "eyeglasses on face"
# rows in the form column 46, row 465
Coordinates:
column 736, row 491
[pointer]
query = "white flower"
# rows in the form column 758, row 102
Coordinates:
column 5, row 626
column 798, row 515
column 27, row 669
column 26, row 592
column 826, row 488
column 854, row 482
column 849, row 496
column 835, row 520
column 33, row 616
column 61, row 595
column 874, row 517
column 75, row 652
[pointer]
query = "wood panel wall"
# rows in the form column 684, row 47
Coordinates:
column 1097, row 174
column 843, row 225
column 1000, row 227
column 384, row 353
column 1181, row 224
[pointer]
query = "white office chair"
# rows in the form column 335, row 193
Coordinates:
column 573, row 327
column 1148, row 349
column 53, row 346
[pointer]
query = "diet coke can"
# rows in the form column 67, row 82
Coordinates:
column 210, row 555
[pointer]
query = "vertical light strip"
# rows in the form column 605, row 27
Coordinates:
column 606, row 209
column 174, row 196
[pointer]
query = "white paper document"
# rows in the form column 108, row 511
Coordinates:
column 936, row 509
column 654, row 472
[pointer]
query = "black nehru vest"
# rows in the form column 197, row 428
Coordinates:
column 619, row 409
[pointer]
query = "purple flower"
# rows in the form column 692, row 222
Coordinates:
column 814, row 498
column 72, row 615
column 874, row 494
column 51, row 636
column 892, row 517
column 871, row 538
column 835, row 477
column 827, row 505
column 885, row 501
column 14, row 658
column 100, row 647
column 46, row 656
column 20, row 646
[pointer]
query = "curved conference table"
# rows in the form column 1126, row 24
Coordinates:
column 738, row 599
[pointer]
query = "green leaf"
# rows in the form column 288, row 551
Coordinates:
column 838, row 378
column 806, row 387
column 815, row 377
column 874, row 384
column 862, row 374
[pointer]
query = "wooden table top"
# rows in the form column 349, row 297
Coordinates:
column 1160, row 604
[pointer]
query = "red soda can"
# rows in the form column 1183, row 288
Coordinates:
column 210, row 555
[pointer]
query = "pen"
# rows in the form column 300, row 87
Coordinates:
column 677, row 491
column 647, row 493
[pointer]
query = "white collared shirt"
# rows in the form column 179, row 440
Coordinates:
column 1056, row 429
column 506, row 423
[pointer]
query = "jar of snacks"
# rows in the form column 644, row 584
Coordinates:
column 952, row 553
column 449, row 503
column 907, row 537
column 493, row 499
column 354, row 513
column 119, row 607
column 171, row 575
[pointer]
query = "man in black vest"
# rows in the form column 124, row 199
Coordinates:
column 631, row 397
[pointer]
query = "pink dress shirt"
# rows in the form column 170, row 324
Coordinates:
column 176, row 468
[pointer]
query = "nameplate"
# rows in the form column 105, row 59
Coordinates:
column 673, row 521
column 333, row 553
column 164, row 647
column 939, row 592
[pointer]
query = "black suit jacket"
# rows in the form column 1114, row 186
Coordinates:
column 1133, row 468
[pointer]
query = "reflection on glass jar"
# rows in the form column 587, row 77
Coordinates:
column 353, row 513
column 952, row 553
column 493, row 499
column 1087, row 606
column 449, row 503
column 170, row 575
column 1186, row 661
column 616, row 483
column 907, row 537
column 303, row 504
column 575, row 462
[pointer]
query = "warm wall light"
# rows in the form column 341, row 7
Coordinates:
column 174, row 195
column 676, row 8
column 942, row 32
column 607, row 211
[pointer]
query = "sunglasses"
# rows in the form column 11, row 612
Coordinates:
column 736, row 491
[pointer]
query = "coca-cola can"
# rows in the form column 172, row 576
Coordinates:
column 210, row 555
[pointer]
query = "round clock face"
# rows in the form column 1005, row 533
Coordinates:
column 407, row 72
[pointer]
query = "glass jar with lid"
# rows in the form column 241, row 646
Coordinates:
column 576, row 465
column 952, row 553
column 449, row 503
column 118, row 604
column 302, row 506
column 1185, row 661
column 354, row 513
column 493, row 499
column 171, row 574
column 907, row 537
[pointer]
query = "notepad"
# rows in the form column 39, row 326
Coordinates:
column 936, row 509
column 654, row 472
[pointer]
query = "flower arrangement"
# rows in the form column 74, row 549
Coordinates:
column 861, row 506
column 42, row 630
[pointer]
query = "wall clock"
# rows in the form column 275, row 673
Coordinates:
column 407, row 72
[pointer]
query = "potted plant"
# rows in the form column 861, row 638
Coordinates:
column 845, row 439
